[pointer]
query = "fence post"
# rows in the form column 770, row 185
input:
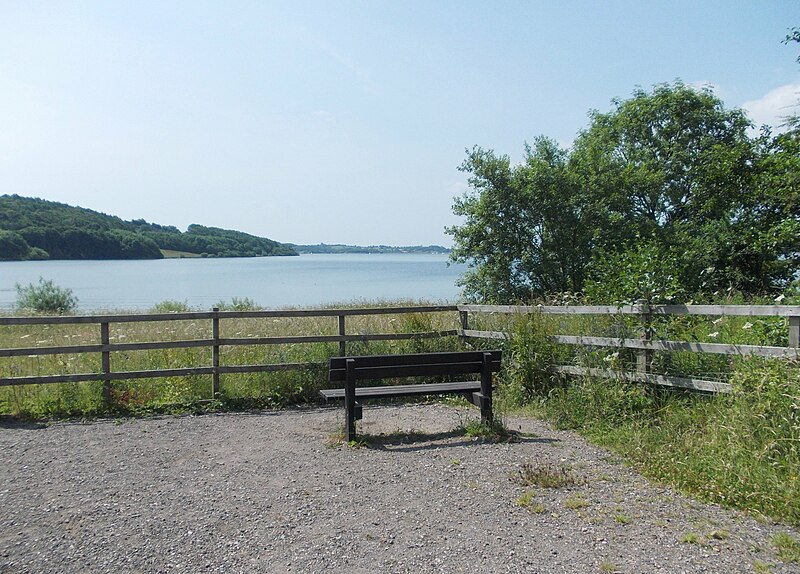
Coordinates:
column 215, row 352
column 105, row 341
column 342, row 343
column 794, row 332
column 464, row 317
column 644, row 357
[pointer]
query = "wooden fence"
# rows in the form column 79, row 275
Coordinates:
column 105, row 347
column 644, row 345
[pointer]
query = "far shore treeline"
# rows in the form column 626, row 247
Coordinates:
column 32, row 228
column 36, row 229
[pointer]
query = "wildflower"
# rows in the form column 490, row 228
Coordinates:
column 780, row 298
column 715, row 321
column 714, row 334
column 747, row 325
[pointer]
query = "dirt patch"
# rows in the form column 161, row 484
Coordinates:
column 265, row 492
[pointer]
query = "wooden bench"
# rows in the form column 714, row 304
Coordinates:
column 353, row 369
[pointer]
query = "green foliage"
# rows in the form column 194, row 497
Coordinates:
column 525, row 227
column 642, row 272
column 238, row 304
column 495, row 432
column 13, row 247
column 171, row 306
column 668, row 184
column 59, row 231
column 739, row 450
column 529, row 354
column 546, row 476
column 45, row 297
column 793, row 36
column 788, row 547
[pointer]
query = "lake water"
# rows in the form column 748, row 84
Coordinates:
column 272, row 282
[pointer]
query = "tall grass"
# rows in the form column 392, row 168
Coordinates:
column 740, row 450
column 236, row 390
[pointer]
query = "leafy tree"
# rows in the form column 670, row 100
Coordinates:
column 13, row 246
column 793, row 36
column 670, row 175
column 524, row 233
column 672, row 166
column 640, row 272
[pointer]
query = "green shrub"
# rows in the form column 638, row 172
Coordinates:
column 236, row 304
column 45, row 297
column 171, row 306
column 530, row 352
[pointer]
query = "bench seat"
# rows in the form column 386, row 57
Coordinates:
column 383, row 392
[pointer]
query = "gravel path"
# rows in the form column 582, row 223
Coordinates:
column 265, row 492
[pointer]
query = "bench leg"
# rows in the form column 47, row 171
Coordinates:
column 350, row 402
column 486, row 390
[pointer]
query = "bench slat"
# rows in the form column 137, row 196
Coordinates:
column 406, row 390
column 415, row 359
column 389, row 372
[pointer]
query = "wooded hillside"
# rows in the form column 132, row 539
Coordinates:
column 32, row 228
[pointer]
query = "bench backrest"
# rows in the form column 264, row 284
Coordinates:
column 414, row 365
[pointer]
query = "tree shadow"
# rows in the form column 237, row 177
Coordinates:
column 16, row 423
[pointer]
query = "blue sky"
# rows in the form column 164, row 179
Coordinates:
column 341, row 122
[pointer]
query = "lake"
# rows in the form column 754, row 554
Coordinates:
column 272, row 282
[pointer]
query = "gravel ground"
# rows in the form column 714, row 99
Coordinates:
column 266, row 492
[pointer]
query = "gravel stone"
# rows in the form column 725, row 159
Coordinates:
column 265, row 492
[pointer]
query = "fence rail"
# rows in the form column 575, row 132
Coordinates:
column 644, row 345
column 106, row 348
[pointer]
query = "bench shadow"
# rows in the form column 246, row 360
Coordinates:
column 12, row 422
column 417, row 441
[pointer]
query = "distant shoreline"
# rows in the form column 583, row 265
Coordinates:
column 339, row 249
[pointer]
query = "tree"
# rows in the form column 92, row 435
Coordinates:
column 524, row 234
column 13, row 246
column 793, row 36
column 675, row 167
column 669, row 173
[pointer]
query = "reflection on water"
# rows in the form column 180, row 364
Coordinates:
column 307, row 280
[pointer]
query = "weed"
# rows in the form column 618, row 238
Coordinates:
column 546, row 476
column 526, row 499
column 690, row 538
column 622, row 519
column 576, row 501
column 721, row 534
column 788, row 547
column 761, row 567
column 608, row 567
column 494, row 432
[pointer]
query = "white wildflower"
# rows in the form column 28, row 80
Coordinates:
column 715, row 321
column 714, row 334
column 747, row 325
column 780, row 298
